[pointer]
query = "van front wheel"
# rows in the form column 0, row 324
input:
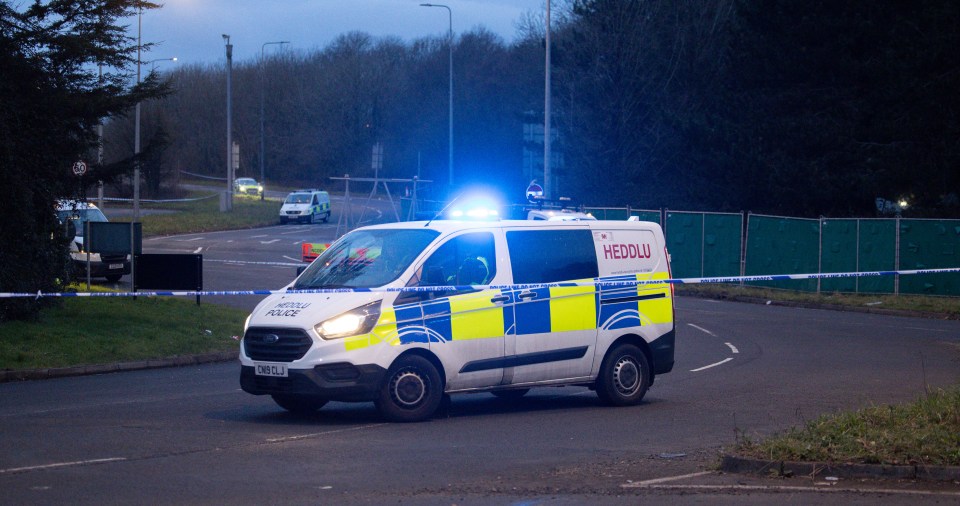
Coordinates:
column 411, row 391
column 624, row 376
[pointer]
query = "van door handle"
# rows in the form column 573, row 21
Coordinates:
column 500, row 298
column 528, row 295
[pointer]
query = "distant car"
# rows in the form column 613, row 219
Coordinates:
column 247, row 186
column 74, row 215
column 306, row 206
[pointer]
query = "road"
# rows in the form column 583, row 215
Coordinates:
column 189, row 435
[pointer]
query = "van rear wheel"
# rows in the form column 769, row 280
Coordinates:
column 299, row 404
column 624, row 376
column 411, row 391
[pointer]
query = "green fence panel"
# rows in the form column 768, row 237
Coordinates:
column 685, row 244
column 877, row 251
column 704, row 245
column 777, row 245
column 838, row 253
column 722, row 244
column 930, row 244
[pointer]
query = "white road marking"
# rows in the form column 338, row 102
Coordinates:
column 258, row 236
column 191, row 240
column 271, row 241
column 316, row 434
column 645, row 483
column 196, row 251
column 701, row 329
column 299, row 260
column 724, row 361
column 732, row 348
column 60, row 464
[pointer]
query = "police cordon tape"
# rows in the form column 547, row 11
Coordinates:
column 527, row 286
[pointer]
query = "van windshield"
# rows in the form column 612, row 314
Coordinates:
column 81, row 216
column 298, row 198
column 365, row 259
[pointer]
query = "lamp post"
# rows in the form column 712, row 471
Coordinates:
column 228, row 206
column 546, row 112
column 136, row 130
column 153, row 63
column 264, row 46
column 450, row 116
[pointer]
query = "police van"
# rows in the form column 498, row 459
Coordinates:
column 415, row 311
column 305, row 206
column 74, row 215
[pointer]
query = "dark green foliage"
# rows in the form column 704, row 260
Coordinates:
column 53, row 97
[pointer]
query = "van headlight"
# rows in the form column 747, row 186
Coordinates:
column 356, row 321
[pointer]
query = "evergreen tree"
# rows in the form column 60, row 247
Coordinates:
column 53, row 97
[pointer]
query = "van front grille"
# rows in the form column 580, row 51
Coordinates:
column 276, row 345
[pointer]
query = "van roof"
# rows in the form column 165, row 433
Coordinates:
column 454, row 225
column 69, row 205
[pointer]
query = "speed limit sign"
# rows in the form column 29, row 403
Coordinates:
column 79, row 168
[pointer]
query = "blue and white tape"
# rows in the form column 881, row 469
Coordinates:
column 528, row 286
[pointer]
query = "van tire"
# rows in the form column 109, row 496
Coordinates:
column 624, row 376
column 411, row 391
column 326, row 218
column 283, row 220
column 299, row 404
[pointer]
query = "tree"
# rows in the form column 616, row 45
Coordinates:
column 53, row 97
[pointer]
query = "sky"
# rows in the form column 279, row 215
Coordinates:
column 191, row 30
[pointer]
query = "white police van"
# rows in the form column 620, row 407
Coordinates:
column 74, row 215
column 435, row 308
column 306, row 206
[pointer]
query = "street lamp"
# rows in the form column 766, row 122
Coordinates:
column 547, row 184
column 450, row 126
column 153, row 63
column 264, row 46
column 136, row 129
column 228, row 205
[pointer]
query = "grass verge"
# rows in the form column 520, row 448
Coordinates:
column 205, row 216
column 943, row 307
column 925, row 432
column 89, row 331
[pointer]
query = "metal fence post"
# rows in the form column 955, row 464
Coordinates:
column 820, row 255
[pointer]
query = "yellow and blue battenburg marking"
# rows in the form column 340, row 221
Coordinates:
column 523, row 312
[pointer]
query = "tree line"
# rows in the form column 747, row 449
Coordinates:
column 774, row 106
column 802, row 108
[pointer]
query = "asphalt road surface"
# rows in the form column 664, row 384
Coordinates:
column 189, row 435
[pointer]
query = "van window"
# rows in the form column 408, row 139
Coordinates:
column 366, row 259
column 549, row 256
column 468, row 259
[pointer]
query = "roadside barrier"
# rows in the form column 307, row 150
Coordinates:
column 528, row 286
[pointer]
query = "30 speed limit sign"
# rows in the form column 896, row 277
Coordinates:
column 79, row 168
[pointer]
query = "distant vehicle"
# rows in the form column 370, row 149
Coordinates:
column 306, row 206
column 74, row 215
column 247, row 186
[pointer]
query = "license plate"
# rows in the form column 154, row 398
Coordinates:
column 116, row 266
column 275, row 370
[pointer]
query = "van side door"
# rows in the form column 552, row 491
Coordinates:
column 464, row 327
column 554, row 330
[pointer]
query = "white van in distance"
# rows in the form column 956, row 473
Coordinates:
column 306, row 206
column 429, row 309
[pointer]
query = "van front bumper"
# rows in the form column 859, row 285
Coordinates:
column 335, row 382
